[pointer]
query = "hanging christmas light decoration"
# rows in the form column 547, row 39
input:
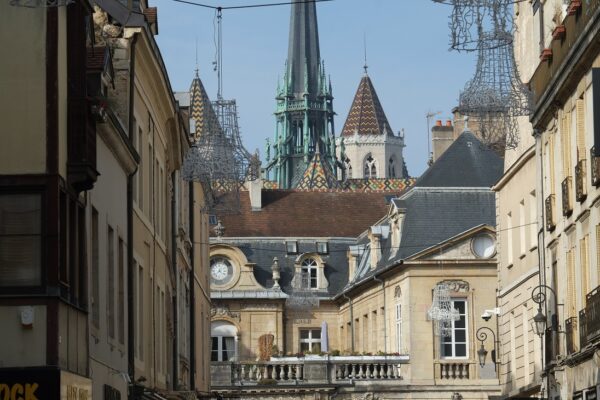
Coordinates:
column 441, row 310
column 40, row 3
column 469, row 18
column 218, row 158
column 496, row 96
column 301, row 299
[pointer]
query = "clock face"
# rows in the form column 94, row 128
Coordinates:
column 221, row 270
column 484, row 246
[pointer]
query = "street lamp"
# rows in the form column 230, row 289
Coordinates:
column 482, row 336
column 538, row 295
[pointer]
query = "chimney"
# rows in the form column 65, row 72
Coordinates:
column 377, row 233
column 255, row 193
column 442, row 137
column 353, row 254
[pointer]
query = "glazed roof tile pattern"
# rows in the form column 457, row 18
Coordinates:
column 366, row 115
column 293, row 213
column 396, row 185
column 318, row 175
column 201, row 110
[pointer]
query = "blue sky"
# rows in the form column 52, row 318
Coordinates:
column 407, row 44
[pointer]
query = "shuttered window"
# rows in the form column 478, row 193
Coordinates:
column 581, row 153
column 571, row 289
column 585, row 269
column 565, row 139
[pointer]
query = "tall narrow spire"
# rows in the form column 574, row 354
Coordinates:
column 303, row 50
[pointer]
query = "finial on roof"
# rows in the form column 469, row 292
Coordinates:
column 366, row 66
column 196, row 55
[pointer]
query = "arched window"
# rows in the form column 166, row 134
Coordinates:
column 224, row 344
column 348, row 168
column 370, row 167
column 310, row 273
column 392, row 168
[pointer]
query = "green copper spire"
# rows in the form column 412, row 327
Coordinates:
column 304, row 114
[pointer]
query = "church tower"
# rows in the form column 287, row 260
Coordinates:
column 304, row 129
column 368, row 147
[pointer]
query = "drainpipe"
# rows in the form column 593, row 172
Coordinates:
column 384, row 313
column 192, row 292
column 351, row 319
column 130, row 271
column 174, row 224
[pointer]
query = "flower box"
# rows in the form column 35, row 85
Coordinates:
column 559, row 32
column 546, row 55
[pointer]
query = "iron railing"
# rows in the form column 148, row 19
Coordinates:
column 580, row 183
column 571, row 335
column 567, row 205
column 595, row 167
column 550, row 219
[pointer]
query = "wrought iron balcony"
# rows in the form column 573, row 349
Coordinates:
column 571, row 335
column 567, row 188
column 595, row 169
column 550, row 218
column 580, row 183
column 589, row 319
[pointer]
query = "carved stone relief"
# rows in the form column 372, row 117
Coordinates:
column 219, row 310
column 457, row 285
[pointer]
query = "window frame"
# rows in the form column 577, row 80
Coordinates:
column 453, row 342
column 310, row 266
column 309, row 340
column 41, row 193
column 292, row 243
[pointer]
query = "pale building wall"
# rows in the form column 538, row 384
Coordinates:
column 23, row 89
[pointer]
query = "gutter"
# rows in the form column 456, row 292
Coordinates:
column 130, row 272
column 192, row 280
column 174, row 225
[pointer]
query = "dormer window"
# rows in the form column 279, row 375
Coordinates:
column 291, row 247
column 310, row 273
column 322, row 247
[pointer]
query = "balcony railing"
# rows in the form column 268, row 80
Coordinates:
column 595, row 169
column 580, row 183
column 571, row 335
column 575, row 26
column 308, row 370
column 455, row 369
column 550, row 218
column 567, row 187
column 589, row 319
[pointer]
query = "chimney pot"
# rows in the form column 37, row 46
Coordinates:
column 438, row 122
column 448, row 122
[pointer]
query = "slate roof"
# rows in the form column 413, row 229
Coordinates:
column 262, row 252
column 291, row 213
column 366, row 114
column 466, row 163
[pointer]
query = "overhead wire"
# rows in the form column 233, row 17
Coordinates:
column 193, row 3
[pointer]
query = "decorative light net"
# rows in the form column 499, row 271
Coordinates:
column 441, row 311
column 496, row 96
column 469, row 18
column 40, row 3
column 219, row 160
column 300, row 297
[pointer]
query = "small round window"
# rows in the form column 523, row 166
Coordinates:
column 484, row 246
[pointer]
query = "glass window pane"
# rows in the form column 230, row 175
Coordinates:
column 460, row 335
column 20, row 214
column 460, row 306
column 304, row 334
column 461, row 350
column 304, row 347
column 460, row 323
column 20, row 261
column 447, row 350
column 215, row 343
column 214, row 356
column 316, row 334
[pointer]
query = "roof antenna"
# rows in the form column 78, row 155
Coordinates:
column 366, row 67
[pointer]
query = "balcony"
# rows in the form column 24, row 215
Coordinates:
column 455, row 369
column 595, row 170
column 571, row 335
column 567, row 188
column 580, row 183
column 308, row 371
column 589, row 319
column 576, row 28
column 550, row 218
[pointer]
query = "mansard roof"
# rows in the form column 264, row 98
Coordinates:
column 466, row 163
column 366, row 115
column 318, row 175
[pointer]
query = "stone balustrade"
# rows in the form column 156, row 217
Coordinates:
column 455, row 369
column 308, row 370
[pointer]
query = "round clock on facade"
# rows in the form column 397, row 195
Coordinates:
column 484, row 246
column 221, row 270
